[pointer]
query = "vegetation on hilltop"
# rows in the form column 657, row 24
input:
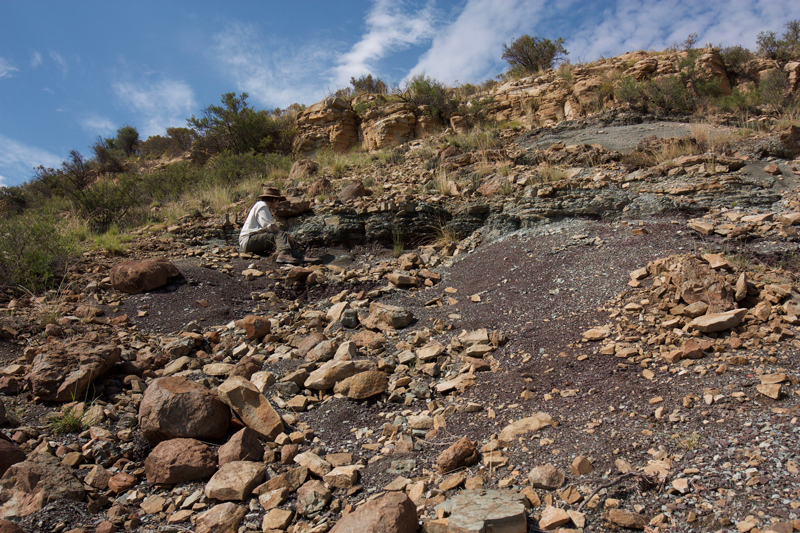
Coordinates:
column 231, row 148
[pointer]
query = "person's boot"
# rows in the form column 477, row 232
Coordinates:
column 287, row 257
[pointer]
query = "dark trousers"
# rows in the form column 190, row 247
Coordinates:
column 267, row 242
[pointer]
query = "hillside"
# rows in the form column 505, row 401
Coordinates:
column 571, row 307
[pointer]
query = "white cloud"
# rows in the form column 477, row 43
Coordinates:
column 6, row 68
column 18, row 160
column 97, row 125
column 469, row 49
column 272, row 71
column 60, row 61
column 390, row 28
column 630, row 25
column 36, row 59
column 160, row 104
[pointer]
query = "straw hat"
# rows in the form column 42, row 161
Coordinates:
column 270, row 193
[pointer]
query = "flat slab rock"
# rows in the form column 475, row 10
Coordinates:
column 477, row 511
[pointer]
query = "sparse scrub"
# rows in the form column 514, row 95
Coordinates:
column 33, row 251
column 73, row 418
column 440, row 103
column 548, row 173
column 112, row 241
column 442, row 183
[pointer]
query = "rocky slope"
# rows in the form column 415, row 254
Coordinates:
column 587, row 330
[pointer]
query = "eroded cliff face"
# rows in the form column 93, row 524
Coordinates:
column 373, row 122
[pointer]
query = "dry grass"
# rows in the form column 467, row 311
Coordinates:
column 711, row 138
column 548, row 173
column 442, row 184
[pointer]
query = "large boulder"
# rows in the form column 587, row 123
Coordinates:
column 63, row 372
column 392, row 513
column 174, row 407
column 28, row 486
column 143, row 275
column 251, row 406
column 179, row 460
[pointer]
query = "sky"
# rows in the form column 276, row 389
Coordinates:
column 73, row 71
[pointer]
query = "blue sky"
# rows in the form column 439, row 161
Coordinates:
column 73, row 70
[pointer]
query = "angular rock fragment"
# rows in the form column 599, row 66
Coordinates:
column 251, row 406
column 174, row 407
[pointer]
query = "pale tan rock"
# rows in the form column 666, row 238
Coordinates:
column 392, row 513
column 553, row 517
column 596, row 334
column 331, row 372
column 627, row 519
column 273, row 498
column 222, row 518
column 251, row 406
column 387, row 317
column 526, row 425
column 315, row 464
column 342, row 477
column 363, row 385
column 490, row 510
column 718, row 321
column 235, row 480
column 581, row 466
column 546, row 477
column 770, row 390
column 277, row 519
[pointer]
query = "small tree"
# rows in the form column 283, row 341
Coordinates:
column 528, row 55
column 368, row 84
column 784, row 49
column 127, row 140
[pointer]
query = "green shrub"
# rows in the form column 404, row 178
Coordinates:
column 773, row 90
column 528, row 55
column 33, row 252
column 668, row 93
column 630, row 91
column 735, row 59
column 424, row 91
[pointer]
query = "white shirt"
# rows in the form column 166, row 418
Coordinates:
column 259, row 217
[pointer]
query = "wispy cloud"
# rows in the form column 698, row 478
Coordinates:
column 6, row 68
column 36, row 59
column 97, row 125
column 654, row 25
column 272, row 71
column 470, row 47
column 60, row 61
column 17, row 160
column 391, row 26
column 160, row 104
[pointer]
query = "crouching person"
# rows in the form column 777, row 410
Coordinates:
column 260, row 234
